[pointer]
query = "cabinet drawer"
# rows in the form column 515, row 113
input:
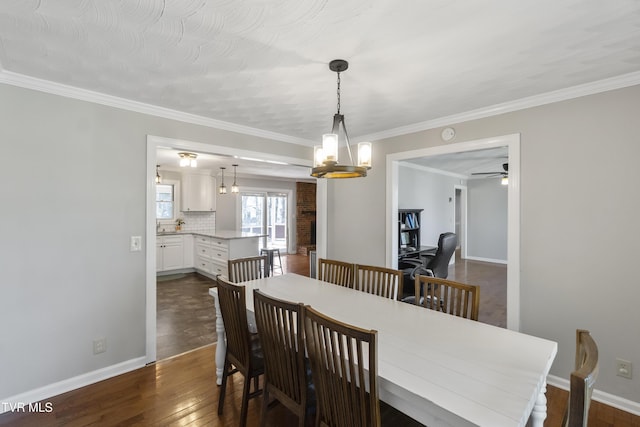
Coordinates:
column 218, row 268
column 220, row 255
column 171, row 239
column 204, row 250
column 220, row 244
column 203, row 264
column 203, row 240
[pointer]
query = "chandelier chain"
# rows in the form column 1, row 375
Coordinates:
column 338, row 92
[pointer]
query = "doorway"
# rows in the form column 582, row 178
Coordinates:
column 512, row 142
column 153, row 144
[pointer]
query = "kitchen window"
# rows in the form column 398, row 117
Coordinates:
column 165, row 201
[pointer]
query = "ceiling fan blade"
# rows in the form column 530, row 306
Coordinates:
column 487, row 173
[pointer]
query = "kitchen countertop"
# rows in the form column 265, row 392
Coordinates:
column 219, row 234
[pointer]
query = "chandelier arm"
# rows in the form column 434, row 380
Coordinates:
column 346, row 139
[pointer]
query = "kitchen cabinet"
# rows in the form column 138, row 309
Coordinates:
column 211, row 255
column 213, row 252
column 169, row 253
column 198, row 193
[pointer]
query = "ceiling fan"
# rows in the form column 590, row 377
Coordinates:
column 504, row 174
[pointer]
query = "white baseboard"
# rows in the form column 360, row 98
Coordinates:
column 64, row 386
column 602, row 397
column 495, row 261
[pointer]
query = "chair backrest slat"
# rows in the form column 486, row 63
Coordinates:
column 336, row 272
column 245, row 269
column 344, row 369
column 448, row 296
column 385, row 282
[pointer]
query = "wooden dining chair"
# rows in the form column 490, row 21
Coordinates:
column 447, row 296
column 243, row 348
column 385, row 282
column 582, row 380
column 344, row 370
column 336, row 272
column 249, row 268
column 281, row 333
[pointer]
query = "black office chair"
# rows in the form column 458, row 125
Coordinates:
column 434, row 265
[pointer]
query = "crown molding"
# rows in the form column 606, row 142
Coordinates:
column 578, row 91
column 67, row 91
column 21, row 80
column 433, row 170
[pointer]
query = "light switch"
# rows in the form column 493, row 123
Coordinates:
column 136, row 244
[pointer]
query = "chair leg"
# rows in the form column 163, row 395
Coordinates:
column 245, row 401
column 280, row 261
column 223, row 387
column 265, row 404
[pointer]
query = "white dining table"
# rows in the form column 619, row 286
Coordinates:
column 439, row 369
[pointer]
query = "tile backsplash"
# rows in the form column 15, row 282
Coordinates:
column 199, row 221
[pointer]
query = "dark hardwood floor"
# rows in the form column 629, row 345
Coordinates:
column 186, row 317
column 181, row 390
column 492, row 279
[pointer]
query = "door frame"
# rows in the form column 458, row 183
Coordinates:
column 155, row 142
column 462, row 239
column 512, row 142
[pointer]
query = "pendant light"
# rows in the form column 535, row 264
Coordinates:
column 234, row 187
column 158, row 177
column 222, row 189
column 325, row 157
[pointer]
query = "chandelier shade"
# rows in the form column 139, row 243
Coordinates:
column 325, row 157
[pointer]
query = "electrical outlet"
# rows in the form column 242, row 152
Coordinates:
column 623, row 368
column 136, row 244
column 99, row 345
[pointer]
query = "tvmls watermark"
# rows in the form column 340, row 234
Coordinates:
column 40, row 407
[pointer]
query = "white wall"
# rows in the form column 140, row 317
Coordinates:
column 435, row 193
column 579, row 227
column 487, row 220
column 67, row 276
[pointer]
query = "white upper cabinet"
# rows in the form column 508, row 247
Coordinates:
column 198, row 193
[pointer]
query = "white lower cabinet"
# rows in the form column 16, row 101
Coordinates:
column 169, row 253
column 211, row 255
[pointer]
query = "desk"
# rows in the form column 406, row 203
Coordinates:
column 441, row 370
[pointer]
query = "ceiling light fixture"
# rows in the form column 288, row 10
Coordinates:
column 158, row 177
column 504, row 180
column 234, row 187
column 325, row 157
column 223, row 188
column 188, row 159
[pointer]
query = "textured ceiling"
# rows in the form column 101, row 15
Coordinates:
column 263, row 63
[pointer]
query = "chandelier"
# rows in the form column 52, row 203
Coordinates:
column 325, row 157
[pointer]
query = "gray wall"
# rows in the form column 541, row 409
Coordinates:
column 67, row 274
column 487, row 219
column 579, row 229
